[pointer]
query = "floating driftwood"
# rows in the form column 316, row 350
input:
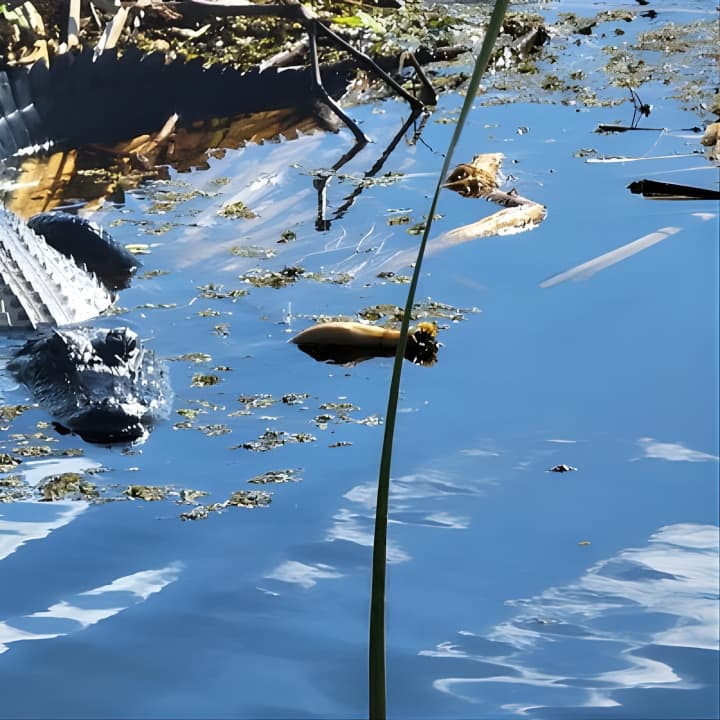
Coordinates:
column 353, row 342
column 657, row 190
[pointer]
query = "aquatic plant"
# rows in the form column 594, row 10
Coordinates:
column 377, row 675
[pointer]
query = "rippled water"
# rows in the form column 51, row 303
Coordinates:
column 512, row 590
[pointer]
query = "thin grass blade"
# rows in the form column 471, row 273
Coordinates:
column 377, row 677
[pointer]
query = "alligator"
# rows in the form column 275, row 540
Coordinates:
column 82, row 99
column 97, row 382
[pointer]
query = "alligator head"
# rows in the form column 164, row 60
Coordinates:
column 101, row 384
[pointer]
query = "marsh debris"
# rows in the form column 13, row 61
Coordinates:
column 294, row 398
column 237, row 210
column 8, row 462
column 10, row 412
column 14, row 489
column 66, row 486
column 33, row 450
column 563, row 469
column 204, row 380
column 275, row 477
column 657, row 190
column 272, row 439
column 149, row 493
column 240, row 498
column 211, row 291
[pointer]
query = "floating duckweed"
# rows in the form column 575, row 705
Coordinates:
column 215, row 430
column 66, row 485
column 216, row 292
column 249, row 499
column 196, row 357
column 253, row 251
column 345, row 407
column 150, row 274
column 8, row 462
column 33, row 451
column 399, row 220
column 295, row 398
column 72, row 452
column 240, row 498
column 261, row 400
column 273, row 278
column 272, row 439
column 10, row 412
column 237, row 210
column 287, row 236
column 149, row 493
column 201, row 380
column 188, row 497
column 13, row 489
column 209, row 312
column 322, row 421
column 275, row 476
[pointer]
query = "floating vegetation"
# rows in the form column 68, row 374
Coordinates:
column 33, row 450
column 13, row 489
column 164, row 201
column 10, row 412
column 190, row 413
column 190, row 497
column 272, row 439
column 195, row 357
column 8, row 462
column 295, row 398
column 215, row 430
column 287, row 236
column 343, row 407
column 149, row 493
column 341, row 443
column 237, row 210
column 419, row 228
column 65, row 486
column 201, row 380
column 209, row 312
column 253, row 251
column 427, row 310
column 277, row 279
column 273, row 278
column 252, row 402
column 217, row 292
column 562, row 469
column 222, row 329
column 150, row 274
column 394, row 277
column 275, row 476
column 240, row 498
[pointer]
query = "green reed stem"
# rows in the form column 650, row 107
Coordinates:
column 377, row 678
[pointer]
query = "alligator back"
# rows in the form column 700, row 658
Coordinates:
column 79, row 101
column 39, row 285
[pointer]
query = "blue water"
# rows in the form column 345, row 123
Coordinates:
column 512, row 590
